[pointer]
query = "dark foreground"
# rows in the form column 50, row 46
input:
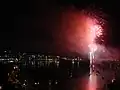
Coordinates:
column 65, row 76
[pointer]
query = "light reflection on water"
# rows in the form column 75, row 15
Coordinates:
column 97, row 80
column 66, row 78
column 92, row 82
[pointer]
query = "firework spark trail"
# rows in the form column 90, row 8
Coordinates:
column 95, row 31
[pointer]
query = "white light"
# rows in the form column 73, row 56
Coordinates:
column 14, row 67
column 56, row 82
column 11, row 61
column 0, row 87
column 113, row 80
column 57, row 62
column 72, row 62
column 49, row 82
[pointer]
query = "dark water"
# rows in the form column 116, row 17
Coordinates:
column 66, row 76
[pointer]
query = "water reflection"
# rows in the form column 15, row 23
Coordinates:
column 64, row 75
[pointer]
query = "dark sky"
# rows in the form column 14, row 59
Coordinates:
column 29, row 25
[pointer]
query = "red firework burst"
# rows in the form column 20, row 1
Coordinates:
column 94, row 26
column 79, row 29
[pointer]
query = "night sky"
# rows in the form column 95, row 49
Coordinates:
column 30, row 25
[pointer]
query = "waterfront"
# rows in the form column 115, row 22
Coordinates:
column 66, row 76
